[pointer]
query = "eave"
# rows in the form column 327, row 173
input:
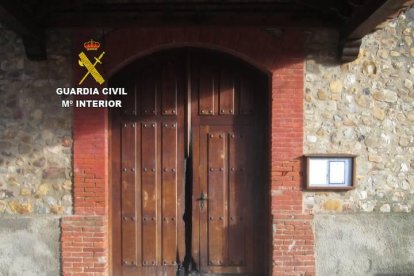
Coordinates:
column 353, row 19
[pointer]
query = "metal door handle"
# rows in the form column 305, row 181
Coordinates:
column 203, row 198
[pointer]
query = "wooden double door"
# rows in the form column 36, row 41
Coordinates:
column 189, row 166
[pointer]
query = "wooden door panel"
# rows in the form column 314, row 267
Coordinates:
column 206, row 87
column 231, row 230
column 150, row 194
column 130, row 106
column 169, row 86
column 147, row 181
column 226, row 93
column 217, row 195
column 148, row 92
column 169, row 191
column 246, row 91
column 229, row 225
column 128, row 187
column 238, row 201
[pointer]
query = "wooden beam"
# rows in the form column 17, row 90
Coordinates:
column 76, row 20
column 363, row 21
column 350, row 50
column 266, row 14
column 369, row 16
column 15, row 17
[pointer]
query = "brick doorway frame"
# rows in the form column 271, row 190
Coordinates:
column 85, row 240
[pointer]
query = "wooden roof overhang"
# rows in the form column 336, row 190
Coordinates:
column 353, row 19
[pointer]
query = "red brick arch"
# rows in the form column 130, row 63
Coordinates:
column 85, row 243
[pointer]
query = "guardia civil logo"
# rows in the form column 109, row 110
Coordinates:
column 91, row 60
column 84, row 61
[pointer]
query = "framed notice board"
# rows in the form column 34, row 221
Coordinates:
column 330, row 171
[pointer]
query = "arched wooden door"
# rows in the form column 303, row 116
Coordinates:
column 189, row 166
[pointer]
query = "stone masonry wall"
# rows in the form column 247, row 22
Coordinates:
column 365, row 107
column 35, row 132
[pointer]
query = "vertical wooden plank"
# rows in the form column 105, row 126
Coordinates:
column 226, row 91
column 129, row 102
column 183, row 78
column 237, row 198
column 158, row 188
column 149, row 194
column 148, row 93
column 251, row 140
column 207, row 85
column 255, row 175
column 169, row 193
column 200, row 221
column 169, row 90
column 217, row 202
column 247, row 96
column 128, row 168
column 138, row 190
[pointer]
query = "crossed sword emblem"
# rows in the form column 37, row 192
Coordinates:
column 85, row 62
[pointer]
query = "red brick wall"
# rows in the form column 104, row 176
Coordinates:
column 85, row 248
column 292, row 230
column 84, row 245
column 85, row 235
